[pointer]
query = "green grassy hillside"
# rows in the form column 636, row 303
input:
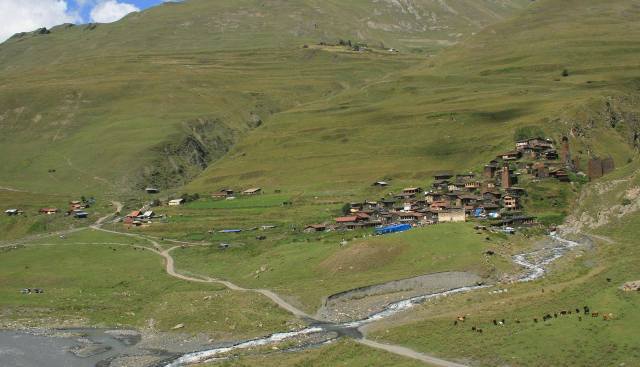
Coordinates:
column 156, row 97
column 460, row 109
column 592, row 276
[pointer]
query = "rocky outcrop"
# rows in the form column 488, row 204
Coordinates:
column 185, row 155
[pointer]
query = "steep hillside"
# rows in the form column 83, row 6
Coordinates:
column 464, row 106
column 155, row 98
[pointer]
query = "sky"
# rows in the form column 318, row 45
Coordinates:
column 27, row 15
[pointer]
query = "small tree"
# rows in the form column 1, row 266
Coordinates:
column 346, row 209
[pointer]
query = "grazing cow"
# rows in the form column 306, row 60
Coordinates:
column 495, row 322
column 535, row 320
column 461, row 318
column 473, row 328
column 577, row 310
column 555, row 315
column 503, row 322
column 608, row 280
column 480, row 331
column 586, row 310
column 517, row 321
column 579, row 318
column 569, row 312
column 563, row 313
column 607, row 317
column 595, row 314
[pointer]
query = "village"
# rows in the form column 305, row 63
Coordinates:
column 491, row 197
column 76, row 209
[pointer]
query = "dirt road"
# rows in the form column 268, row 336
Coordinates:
column 409, row 353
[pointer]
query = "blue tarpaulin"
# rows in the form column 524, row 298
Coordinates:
column 393, row 228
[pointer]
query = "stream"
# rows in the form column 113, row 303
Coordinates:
column 72, row 347
column 534, row 264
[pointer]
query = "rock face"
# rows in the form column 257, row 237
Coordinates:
column 185, row 156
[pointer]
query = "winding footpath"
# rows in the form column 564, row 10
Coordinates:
column 171, row 270
column 534, row 263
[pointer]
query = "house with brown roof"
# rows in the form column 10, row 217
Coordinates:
column 134, row 214
column 510, row 156
column 510, row 202
column 252, row 191
column 410, row 217
column 315, row 228
column 411, row 190
column 443, row 175
column 431, row 196
column 560, row 175
column 472, row 185
column 439, row 205
column 223, row 193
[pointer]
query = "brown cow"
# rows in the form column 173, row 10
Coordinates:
column 595, row 314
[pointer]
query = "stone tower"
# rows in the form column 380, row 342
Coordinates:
column 506, row 177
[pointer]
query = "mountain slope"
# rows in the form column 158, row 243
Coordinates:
column 155, row 98
column 463, row 107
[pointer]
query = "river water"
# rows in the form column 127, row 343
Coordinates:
column 534, row 263
column 36, row 349
column 19, row 349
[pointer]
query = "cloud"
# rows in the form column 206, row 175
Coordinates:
column 110, row 11
column 27, row 15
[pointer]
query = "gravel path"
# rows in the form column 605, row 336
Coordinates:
column 409, row 353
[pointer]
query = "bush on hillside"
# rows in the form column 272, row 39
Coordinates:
column 346, row 209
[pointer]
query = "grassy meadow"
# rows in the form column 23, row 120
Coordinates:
column 99, row 279
column 307, row 268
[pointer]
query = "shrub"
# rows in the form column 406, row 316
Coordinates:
column 346, row 209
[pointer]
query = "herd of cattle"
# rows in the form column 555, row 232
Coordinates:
column 586, row 310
